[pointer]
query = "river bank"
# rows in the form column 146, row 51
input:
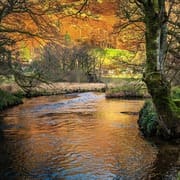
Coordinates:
column 122, row 89
column 8, row 99
column 12, row 94
column 167, row 162
column 49, row 125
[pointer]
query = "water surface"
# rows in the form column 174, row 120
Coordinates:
column 74, row 137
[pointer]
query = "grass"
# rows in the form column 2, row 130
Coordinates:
column 124, row 54
column 125, row 87
column 108, row 54
column 8, row 99
column 122, row 78
column 127, row 92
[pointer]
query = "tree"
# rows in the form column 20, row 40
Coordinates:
column 23, row 21
column 28, row 21
column 155, row 16
column 63, row 63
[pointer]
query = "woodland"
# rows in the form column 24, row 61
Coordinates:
column 32, row 40
column 132, row 43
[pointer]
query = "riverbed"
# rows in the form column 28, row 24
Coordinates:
column 75, row 137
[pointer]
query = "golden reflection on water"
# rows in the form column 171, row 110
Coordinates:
column 93, row 139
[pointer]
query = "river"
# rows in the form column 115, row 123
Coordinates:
column 75, row 137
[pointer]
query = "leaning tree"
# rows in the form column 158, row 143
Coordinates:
column 158, row 21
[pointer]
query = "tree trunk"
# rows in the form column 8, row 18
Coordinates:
column 154, row 77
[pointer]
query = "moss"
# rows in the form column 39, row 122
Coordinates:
column 178, row 175
column 175, row 92
column 177, row 102
column 148, row 119
column 160, row 90
column 7, row 100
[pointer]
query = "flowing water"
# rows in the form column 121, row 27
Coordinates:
column 74, row 137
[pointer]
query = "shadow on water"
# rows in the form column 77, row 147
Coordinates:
column 167, row 163
column 90, row 138
column 1, row 129
column 5, row 151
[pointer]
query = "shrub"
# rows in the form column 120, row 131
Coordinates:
column 7, row 99
column 148, row 119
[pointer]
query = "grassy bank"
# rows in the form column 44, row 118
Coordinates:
column 126, row 88
column 8, row 99
column 127, row 92
column 11, row 94
column 64, row 88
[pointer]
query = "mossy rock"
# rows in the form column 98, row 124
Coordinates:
column 148, row 119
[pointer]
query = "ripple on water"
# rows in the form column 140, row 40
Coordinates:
column 83, row 137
